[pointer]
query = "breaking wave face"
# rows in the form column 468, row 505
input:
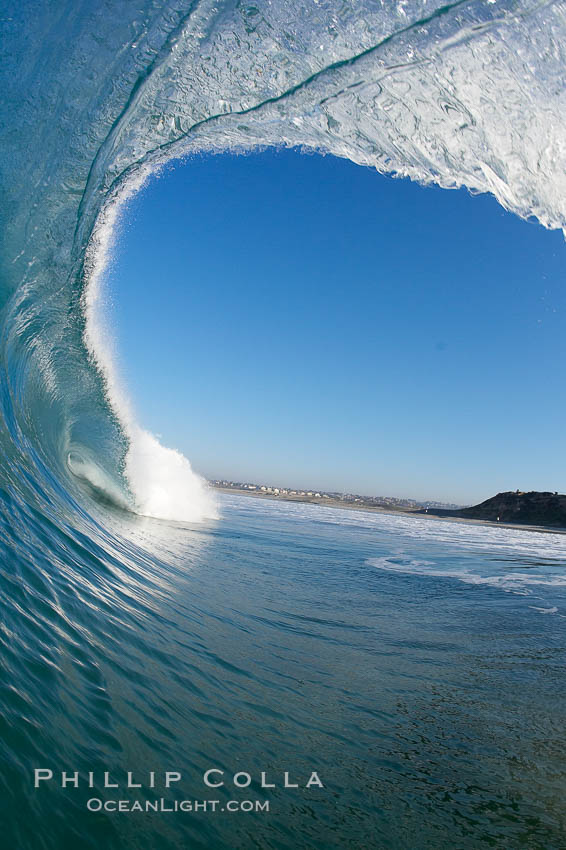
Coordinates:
column 97, row 96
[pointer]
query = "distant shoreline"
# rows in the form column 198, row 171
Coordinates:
column 414, row 514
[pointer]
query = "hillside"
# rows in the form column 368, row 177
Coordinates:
column 534, row 508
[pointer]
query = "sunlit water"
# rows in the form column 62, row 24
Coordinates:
column 416, row 665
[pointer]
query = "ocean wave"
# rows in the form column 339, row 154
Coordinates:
column 110, row 653
column 466, row 94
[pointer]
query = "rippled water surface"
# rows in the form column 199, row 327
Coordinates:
column 416, row 665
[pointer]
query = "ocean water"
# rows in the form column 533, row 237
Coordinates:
column 146, row 626
column 416, row 665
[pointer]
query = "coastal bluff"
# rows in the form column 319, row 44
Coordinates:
column 515, row 507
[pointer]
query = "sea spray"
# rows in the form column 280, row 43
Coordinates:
column 161, row 481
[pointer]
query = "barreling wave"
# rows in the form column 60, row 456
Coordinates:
column 99, row 95
column 111, row 657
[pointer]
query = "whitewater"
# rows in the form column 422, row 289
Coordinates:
column 144, row 623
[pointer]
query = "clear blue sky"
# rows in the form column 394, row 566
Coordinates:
column 299, row 320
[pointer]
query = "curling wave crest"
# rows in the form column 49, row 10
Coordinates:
column 465, row 94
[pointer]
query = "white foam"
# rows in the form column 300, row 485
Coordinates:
column 162, row 481
column 484, row 539
column 513, row 582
